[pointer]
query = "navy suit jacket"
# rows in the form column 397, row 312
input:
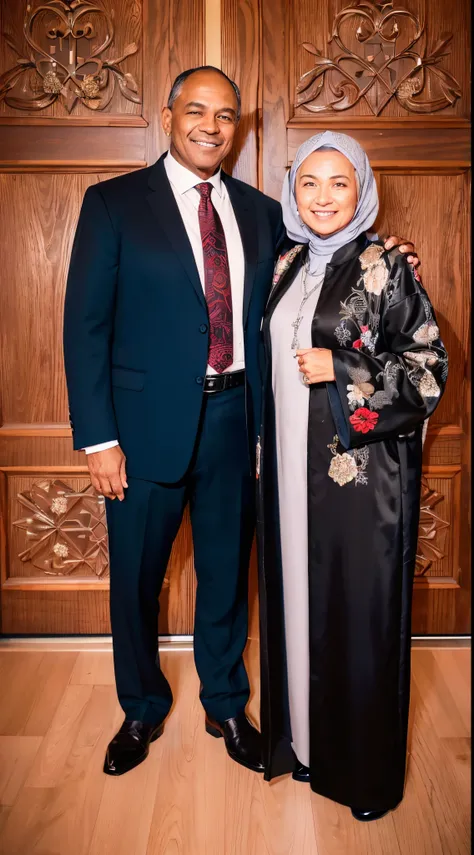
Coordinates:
column 136, row 320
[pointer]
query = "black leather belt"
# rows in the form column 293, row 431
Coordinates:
column 219, row 382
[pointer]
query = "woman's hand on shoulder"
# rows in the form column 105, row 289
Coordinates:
column 407, row 247
column 316, row 364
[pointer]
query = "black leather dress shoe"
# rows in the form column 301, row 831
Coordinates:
column 301, row 773
column 130, row 745
column 368, row 815
column 242, row 740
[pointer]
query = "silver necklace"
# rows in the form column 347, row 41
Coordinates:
column 295, row 344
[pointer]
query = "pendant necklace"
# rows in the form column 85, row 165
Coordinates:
column 295, row 344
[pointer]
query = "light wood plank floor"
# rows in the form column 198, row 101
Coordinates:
column 59, row 710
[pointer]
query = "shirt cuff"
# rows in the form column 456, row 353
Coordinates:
column 91, row 449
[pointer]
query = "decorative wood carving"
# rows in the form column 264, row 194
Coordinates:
column 66, row 532
column 66, row 41
column 381, row 70
column 430, row 527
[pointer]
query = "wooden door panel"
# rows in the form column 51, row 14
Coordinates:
column 54, row 567
column 414, row 123
column 433, row 210
column 422, row 159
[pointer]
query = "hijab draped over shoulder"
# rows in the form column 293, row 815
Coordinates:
column 321, row 249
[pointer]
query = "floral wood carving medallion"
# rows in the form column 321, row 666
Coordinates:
column 66, row 41
column 380, row 60
column 429, row 530
column 66, row 531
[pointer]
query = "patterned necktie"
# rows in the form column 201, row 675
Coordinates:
column 216, row 281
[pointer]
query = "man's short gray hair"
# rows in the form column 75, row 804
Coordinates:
column 178, row 85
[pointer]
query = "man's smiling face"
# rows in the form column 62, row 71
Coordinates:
column 202, row 122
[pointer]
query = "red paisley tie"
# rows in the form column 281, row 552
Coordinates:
column 216, row 281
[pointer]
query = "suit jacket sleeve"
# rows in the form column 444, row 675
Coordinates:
column 88, row 322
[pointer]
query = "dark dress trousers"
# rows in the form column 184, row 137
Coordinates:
column 136, row 335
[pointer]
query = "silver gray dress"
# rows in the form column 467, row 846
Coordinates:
column 291, row 398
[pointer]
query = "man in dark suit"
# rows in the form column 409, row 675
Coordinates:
column 170, row 272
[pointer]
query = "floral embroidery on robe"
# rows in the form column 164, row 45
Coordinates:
column 390, row 363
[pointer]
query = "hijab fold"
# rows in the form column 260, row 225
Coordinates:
column 321, row 249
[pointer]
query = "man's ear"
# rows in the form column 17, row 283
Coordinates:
column 166, row 120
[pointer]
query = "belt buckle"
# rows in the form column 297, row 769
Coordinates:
column 210, row 391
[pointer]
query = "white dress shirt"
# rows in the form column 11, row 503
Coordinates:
column 183, row 183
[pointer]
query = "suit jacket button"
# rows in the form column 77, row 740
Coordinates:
column 203, row 328
column 199, row 380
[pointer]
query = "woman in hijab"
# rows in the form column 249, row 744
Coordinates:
column 355, row 366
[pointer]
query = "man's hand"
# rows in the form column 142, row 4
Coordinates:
column 316, row 364
column 107, row 471
column 405, row 246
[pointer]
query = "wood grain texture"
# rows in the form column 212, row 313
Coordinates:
column 406, row 202
column 276, row 109
column 103, row 120
column 35, row 244
column 241, row 61
column 70, row 166
column 189, row 798
column 402, row 149
column 48, row 142
column 174, row 41
column 55, row 613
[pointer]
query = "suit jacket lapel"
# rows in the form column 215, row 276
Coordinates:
column 164, row 207
column 247, row 222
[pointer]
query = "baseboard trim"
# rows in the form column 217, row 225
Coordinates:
column 441, row 641
column 89, row 643
column 174, row 643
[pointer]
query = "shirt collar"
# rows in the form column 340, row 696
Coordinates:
column 183, row 179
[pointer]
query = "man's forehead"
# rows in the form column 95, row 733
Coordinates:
column 209, row 84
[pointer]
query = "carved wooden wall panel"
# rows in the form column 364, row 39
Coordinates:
column 440, row 525
column 390, row 59
column 71, row 58
column 56, row 541
column 57, row 530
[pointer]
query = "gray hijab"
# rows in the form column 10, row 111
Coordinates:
column 322, row 249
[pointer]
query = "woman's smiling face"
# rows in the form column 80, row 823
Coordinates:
column 326, row 192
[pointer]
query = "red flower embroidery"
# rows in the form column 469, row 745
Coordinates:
column 364, row 420
column 364, row 329
column 416, row 274
column 357, row 344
